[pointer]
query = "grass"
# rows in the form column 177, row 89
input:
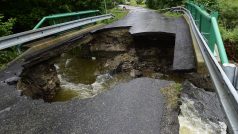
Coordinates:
column 171, row 94
column 171, row 14
column 133, row 3
column 118, row 14
column 6, row 56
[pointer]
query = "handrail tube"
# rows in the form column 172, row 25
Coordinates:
column 219, row 41
column 72, row 14
column 63, row 15
column 226, row 92
column 19, row 38
column 204, row 13
column 208, row 26
column 40, row 23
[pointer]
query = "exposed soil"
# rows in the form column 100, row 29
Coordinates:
column 40, row 85
column 113, row 52
column 147, row 54
column 232, row 51
column 111, row 42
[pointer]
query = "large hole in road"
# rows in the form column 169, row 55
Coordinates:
column 110, row 57
column 155, row 51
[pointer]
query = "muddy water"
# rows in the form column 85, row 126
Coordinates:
column 84, row 77
column 75, row 69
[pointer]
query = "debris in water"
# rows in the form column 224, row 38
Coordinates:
column 135, row 73
column 93, row 58
column 67, row 62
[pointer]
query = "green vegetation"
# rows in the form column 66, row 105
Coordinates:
column 139, row 3
column 228, row 19
column 171, row 94
column 118, row 14
column 228, row 23
column 27, row 13
column 6, row 29
column 209, row 4
column 172, row 14
column 160, row 4
column 6, row 56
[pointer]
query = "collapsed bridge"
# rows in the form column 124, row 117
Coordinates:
column 133, row 107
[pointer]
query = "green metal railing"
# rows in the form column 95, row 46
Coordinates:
column 64, row 17
column 208, row 26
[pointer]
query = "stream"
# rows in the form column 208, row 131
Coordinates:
column 83, row 78
column 191, row 122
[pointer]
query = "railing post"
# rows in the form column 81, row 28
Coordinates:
column 212, row 37
column 219, row 42
column 201, row 18
column 214, row 14
column 193, row 11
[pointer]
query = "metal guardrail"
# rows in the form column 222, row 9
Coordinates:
column 78, row 15
column 15, row 39
column 207, row 25
column 226, row 92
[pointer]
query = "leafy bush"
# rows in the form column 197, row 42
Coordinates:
column 151, row 4
column 228, row 10
column 118, row 14
column 228, row 14
column 6, row 27
column 209, row 4
column 6, row 56
column 29, row 12
column 155, row 4
column 230, row 35
column 139, row 1
column 172, row 14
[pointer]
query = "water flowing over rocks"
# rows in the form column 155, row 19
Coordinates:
column 200, row 111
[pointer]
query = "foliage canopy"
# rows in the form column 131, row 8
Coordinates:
column 29, row 12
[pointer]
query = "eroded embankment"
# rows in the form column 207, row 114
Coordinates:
column 108, row 58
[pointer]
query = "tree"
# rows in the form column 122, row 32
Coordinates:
column 139, row 1
column 154, row 4
column 29, row 12
column 151, row 4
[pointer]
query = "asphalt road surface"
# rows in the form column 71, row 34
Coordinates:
column 142, row 21
column 135, row 107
